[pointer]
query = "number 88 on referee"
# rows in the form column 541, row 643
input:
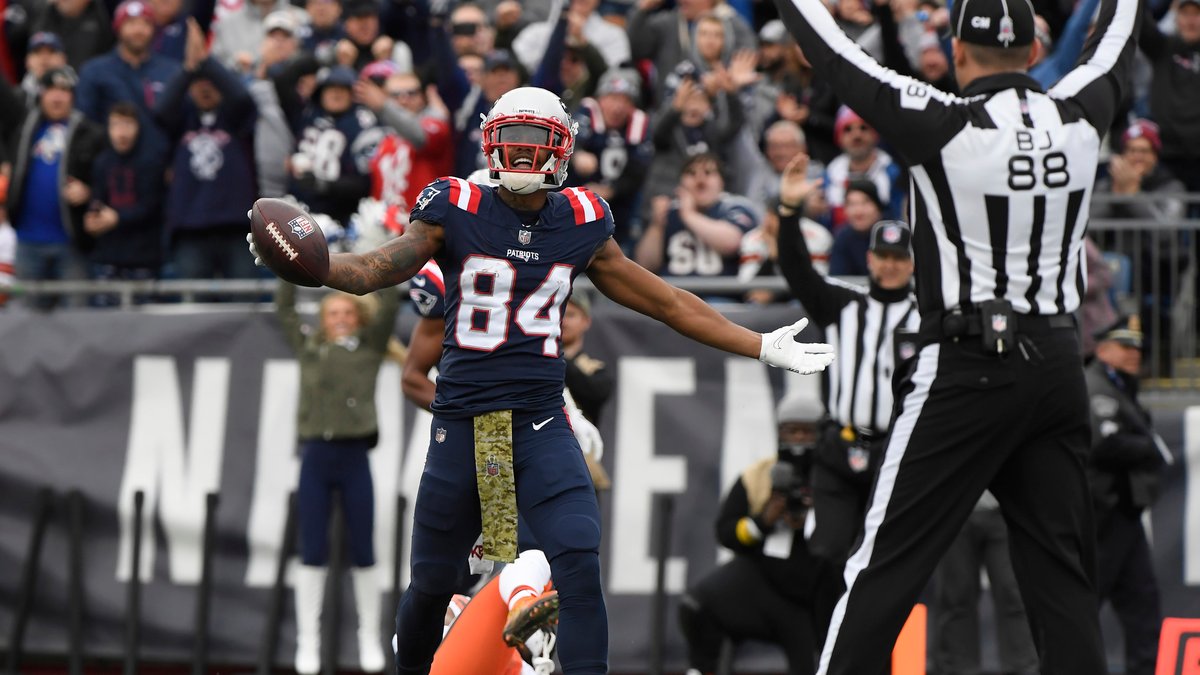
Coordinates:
column 1000, row 180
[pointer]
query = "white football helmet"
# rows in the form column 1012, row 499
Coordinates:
column 524, row 126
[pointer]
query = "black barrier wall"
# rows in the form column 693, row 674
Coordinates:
column 181, row 406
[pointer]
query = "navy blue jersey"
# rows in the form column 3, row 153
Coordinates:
column 687, row 256
column 339, row 149
column 623, row 155
column 506, row 284
column 427, row 291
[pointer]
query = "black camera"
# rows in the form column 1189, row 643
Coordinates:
column 791, row 476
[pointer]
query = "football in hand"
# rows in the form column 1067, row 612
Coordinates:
column 289, row 242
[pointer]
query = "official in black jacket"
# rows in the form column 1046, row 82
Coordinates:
column 774, row 590
column 872, row 330
column 1123, row 471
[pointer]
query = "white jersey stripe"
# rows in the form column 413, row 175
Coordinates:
column 1116, row 37
column 579, row 196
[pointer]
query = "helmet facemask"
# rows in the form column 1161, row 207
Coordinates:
column 526, row 153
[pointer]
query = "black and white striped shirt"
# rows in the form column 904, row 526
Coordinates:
column 1000, row 177
column 861, row 325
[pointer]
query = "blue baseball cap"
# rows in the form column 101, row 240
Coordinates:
column 45, row 39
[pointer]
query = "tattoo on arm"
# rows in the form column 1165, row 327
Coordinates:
column 390, row 264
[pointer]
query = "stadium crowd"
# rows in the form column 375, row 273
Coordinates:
column 137, row 135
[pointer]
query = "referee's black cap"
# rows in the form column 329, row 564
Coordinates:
column 994, row 23
column 891, row 236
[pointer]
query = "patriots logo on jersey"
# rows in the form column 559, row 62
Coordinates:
column 423, row 299
column 301, row 226
column 426, row 196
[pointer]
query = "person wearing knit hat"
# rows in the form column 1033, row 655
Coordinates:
column 863, row 208
column 861, row 159
column 1124, row 471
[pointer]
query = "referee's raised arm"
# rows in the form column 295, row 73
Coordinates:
column 1001, row 179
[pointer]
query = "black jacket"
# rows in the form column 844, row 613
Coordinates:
column 1123, row 469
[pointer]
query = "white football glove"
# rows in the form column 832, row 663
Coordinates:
column 254, row 251
column 780, row 349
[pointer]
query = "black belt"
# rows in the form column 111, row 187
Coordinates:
column 957, row 324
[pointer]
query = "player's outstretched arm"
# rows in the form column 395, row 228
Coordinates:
column 390, row 264
column 424, row 352
column 628, row 283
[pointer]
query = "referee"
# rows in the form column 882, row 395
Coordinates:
column 999, row 190
column 872, row 331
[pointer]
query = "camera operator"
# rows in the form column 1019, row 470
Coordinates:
column 773, row 590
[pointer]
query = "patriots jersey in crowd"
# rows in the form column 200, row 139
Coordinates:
column 508, row 275
column 687, row 256
column 427, row 291
column 623, row 155
column 338, row 148
column 399, row 170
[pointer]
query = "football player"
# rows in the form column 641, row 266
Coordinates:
column 509, row 253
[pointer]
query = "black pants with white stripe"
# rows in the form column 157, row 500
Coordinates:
column 968, row 420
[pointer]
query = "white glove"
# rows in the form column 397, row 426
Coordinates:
column 254, row 251
column 780, row 349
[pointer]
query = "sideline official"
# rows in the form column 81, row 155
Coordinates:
column 872, row 331
column 1000, row 180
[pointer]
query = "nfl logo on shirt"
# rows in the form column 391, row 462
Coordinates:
column 999, row 323
column 524, row 236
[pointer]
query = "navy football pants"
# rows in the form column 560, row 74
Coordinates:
column 558, row 504
column 326, row 466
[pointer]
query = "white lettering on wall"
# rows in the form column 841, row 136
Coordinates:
column 174, row 475
column 640, row 473
column 276, row 469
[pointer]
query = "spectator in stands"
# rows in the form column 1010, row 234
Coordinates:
column 930, row 63
column 580, row 62
column 466, row 101
column 612, row 42
column 809, row 101
column 130, row 72
column 126, row 215
column 861, row 159
column 324, row 29
column 53, row 147
column 689, row 126
column 82, row 25
column 45, row 52
column 273, row 139
column 418, row 147
column 855, row 19
column 1124, row 473
column 782, row 141
column 982, row 544
column 208, row 115
column 1136, row 172
column 774, row 589
column 170, row 40
column 613, row 149
column 470, row 30
column 699, row 232
column 238, row 32
column 330, row 170
column 363, row 43
column 1175, row 90
column 1056, row 58
column 862, row 210
column 666, row 37
column 509, row 20
column 774, row 68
